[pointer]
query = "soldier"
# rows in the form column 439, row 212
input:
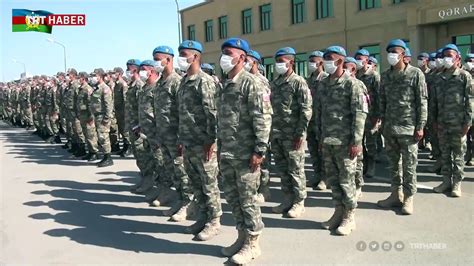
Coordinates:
column 341, row 104
column 101, row 105
column 14, row 96
column 86, row 117
column 422, row 62
column 51, row 115
column 452, row 113
column 25, row 102
column 371, row 80
column 59, row 95
column 407, row 57
column 114, row 134
column 469, row 66
column 166, row 128
column 403, row 111
column 120, row 97
column 74, row 130
column 316, row 75
column 244, row 124
column 251, row 65
column 291, row 103
column 197, row 139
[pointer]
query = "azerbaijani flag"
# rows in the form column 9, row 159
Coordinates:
column 30, row 20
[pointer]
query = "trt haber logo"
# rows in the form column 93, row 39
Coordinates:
column 43, row 21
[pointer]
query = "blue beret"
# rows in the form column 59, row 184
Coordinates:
column 349, row 59
column 316, row 54
column 439, row 53
column 192, row 45
column 432, row 56
column 163, row 50
column 151, row 63
column 362, row 52
column 335, row 49
column 285, row 51
column 254, row 54
column 207, row 66
column 134, row 62
column 236, row 43
column 397, row 43
column 373, row 60
column 469, row 56
column 423, row 55
column 451, row 47
column 407, row 52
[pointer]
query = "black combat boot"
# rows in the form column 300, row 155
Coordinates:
column 124, row 152
column 106, row 161
column 73, row 148
column 81, row 150
column 116, row 147
column 57, row 139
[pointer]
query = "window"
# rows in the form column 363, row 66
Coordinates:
column 323, row 9
column 223, row 27
column 369, row 4
column 265, row 17
column 269, row 64
column 298, row 11
column 247, row 21
column 192, row 32
column 208, row 26
column 301, row 64
column 397, row 1
column 465, row 43
column 374, row 50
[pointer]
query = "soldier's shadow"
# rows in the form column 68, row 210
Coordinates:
column 81, row 209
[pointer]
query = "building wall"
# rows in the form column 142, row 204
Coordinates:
column 415, row 20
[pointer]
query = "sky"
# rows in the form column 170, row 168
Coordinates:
column 115, row 31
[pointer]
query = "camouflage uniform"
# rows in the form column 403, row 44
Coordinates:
column 340, row 104
column 25, row 102
column 244, row 124
column 291, row 102
column 433, row 80
column 403, row 110
column 120, row 97
column 85, row 115
column 314, row 82
column 167, row 124
column 51, row 111
column 113, row 132
column 74, row 126
column 197, row 127
column 451, row 108
column 101, row 105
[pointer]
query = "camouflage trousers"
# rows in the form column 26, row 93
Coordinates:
column 27, row 116
column 113, row 133
column 62, row 119
column 340, row 172
column 470, row 146
column 175, row 172
column 203, row 176
column 36, row 120
column 138, row 151
column 51, row 122
column 403, row 174
column 90, row 133
column 120, row 117
column 151, row 161
column 103, row 130
column 316, row 157
column 435, row 146
column 453, row 148
column 240, row 191
column 74, row 129
column 290, row 166
column 369, row 148
column 265, row 171
column 42, row 119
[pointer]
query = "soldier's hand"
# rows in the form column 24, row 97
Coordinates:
column 180, row 150
column 375, row 122
column 255, row 162
column 465, row 129
column 297, row 142
column 354, row 150
column 419, row 135
column 208, row 151
column 90, row 122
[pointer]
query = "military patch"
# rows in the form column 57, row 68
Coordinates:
column 365, row 103
column 266, row 97
column 107, row 90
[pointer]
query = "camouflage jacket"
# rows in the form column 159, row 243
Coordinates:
column 244, row 117
column 131, row 103
column 120, row 96
column 70, row 94
column 403, row 101
column 146, row 113
column 83, row 101
column 314, row 81
column 50, row 100
column 371, row 80
column 101, row 102
column 340, row 111
column 197, row 110
column 292, row 107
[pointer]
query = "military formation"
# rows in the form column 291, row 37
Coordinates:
column 190, row 131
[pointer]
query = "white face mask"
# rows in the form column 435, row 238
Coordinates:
column 248, row 66
column 359, row 64
column 281, row 68
column 159, row 68
column 448, row 62
column 347, row 73
column 439, row 62
column 312, row 67
column 470, row 66
column 94, row 80
column 393, row 58
column 369, row 67
column 183, row 63
column 226, row 63
column 421, row 63
column 329, row 66
column 143, row 75
column 432, row 64
column 128, row 74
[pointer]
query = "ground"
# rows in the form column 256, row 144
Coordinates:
column 56, row 209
